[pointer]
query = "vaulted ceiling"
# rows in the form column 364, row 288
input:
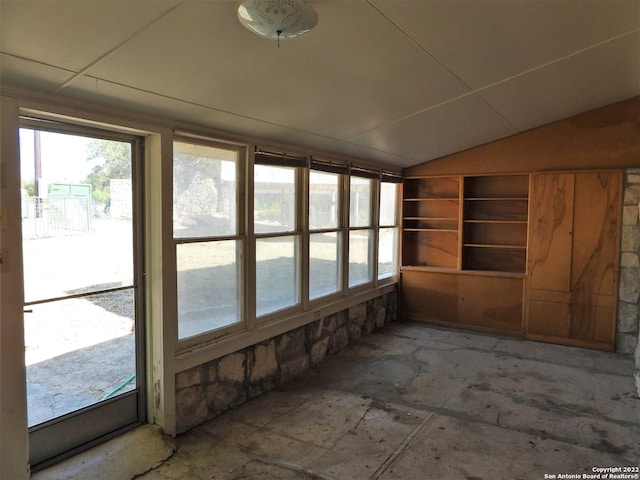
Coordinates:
column 397, row 82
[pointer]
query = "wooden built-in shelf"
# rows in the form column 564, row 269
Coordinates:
column 434, row 199
column 495, row 245
column 497, row 186
column 427, row 188
column 430, row 230
column 440, row 208
column 495, row 220
column 532, row 255
column 431, row 222
column 430, row 248
column 476, row 223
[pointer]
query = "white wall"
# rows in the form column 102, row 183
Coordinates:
column 14, row 447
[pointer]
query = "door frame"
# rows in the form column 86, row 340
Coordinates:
column 103, row 420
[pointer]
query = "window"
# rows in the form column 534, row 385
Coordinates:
column 314, row 230
column 325, row 237
column 275, row 223
column 274, row 201
column 361, row 231
column 388, row 232
column 207, row 238
column 360, row 202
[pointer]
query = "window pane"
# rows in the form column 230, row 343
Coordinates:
column 387, row 252
column 276, row 274
column 77, row 224
column 324, row 265
column 360, row 202
column 359, row 257
column 208, row 286
column 204, row 191
column 77, row 351
column 388, row 203
column 274, row 199
column 323, row 200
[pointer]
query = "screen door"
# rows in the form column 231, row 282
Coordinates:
column 80, row 208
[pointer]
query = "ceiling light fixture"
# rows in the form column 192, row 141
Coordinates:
column 277, row 18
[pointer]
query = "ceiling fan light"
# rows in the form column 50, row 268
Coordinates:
column 277, row 18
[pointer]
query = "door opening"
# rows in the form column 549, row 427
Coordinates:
column 81, row 193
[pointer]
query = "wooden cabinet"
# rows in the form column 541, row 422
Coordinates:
column 573, row 258
column 464, row 300
column 464, row 250
column 429, row 296
column 532, row 255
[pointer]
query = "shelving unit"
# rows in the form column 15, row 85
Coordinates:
column 464, row 252
column 531, row 255
column 431, row 225
column 495, row 218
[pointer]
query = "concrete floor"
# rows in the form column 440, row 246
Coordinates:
column 79, row 378
column 410, row 402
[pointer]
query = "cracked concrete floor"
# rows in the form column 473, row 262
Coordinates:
column 416, row 402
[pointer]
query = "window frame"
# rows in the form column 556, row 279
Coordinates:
column 240, row 237
column 248, row 156
column 371, row 228
column 299, row 164
column 328, row 167
column 387, row 178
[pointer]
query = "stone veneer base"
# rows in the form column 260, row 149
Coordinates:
column 627, row 325
column 205, row 391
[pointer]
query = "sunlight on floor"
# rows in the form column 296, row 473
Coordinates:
column 56, row 328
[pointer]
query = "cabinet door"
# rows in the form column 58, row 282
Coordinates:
column 549, row 319
column 573, row 258
column 590, row 326
column 429, row 296
column 491, row 302
column 596, row 236
column 551, row 226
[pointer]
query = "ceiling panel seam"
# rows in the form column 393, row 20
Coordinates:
column 478, row 91
column 416, row 42
column 38, row 62
column 116, row 48
column 246, row 117
column 424, row 110
column 442, row 64
column 557, row 60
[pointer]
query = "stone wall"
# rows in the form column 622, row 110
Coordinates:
column 206, row 391
column 120, row 201
column 628, row 327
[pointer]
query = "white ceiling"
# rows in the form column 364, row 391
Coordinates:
column 396, row 82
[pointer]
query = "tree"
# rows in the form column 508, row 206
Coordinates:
column 189, row 170
column 114, row 163
column 29, row 187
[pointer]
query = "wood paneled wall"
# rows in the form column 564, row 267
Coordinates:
column 608, row 137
